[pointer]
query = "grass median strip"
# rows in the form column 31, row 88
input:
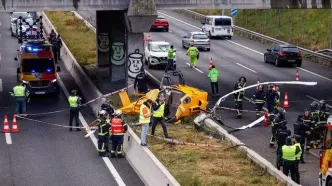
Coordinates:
column 78, row 37
column 190, row 165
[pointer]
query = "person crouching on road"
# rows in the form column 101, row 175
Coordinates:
column 288, row 154
column 144, row 119
column 158, row 115
column 118, row 128
column 103, row 132
column 193, row 54
column 238, row 97
column 214, row 76
column 20, row 93
column 74, row 104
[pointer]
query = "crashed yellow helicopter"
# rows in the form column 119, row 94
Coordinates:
column 181, row 100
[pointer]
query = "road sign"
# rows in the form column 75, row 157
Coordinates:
column 234, row 12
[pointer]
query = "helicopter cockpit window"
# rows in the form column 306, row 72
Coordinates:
column 186, row 100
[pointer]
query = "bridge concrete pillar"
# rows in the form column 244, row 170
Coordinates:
column 111, row 46
column 140, row 16
column 120, row 40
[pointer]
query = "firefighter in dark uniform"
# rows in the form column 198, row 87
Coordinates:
column 276, row 123
column 323, row 115
column 288, row 155
column 103, row 132
column 52, row 36
column 303, row 128
column 299, row 155
column 271, row 99
column 57, row 44
column 140, row 82
column 259, row 99
column 281, row 135
column 238, row 97
column 314, row 114
column 277, row 98
column 118, row 128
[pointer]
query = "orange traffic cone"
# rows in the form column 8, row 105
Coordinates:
column 211, row 64
column 297, row 75
column 149, row 37
column 15, row 128
column 5, row 125
column 286, row 105
column 266, row 121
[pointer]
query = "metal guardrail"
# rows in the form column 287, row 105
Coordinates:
column 267, row 38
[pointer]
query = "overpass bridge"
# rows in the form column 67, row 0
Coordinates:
column 44, row 5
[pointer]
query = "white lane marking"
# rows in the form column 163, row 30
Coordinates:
column 317, row 100
column 243, row 46
column 180, row 20
column 314, row 74
column 246, row 68
column 182, row 32
column 0, row 56
column 107, row 161
column 196, row 69
column 1, row 88
column 8, row 139
column 0, row 23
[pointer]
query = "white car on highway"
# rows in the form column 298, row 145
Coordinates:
column 156, row 53
column 14, row 22
column 218, row 26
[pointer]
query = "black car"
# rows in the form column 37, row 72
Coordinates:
column 283, row 54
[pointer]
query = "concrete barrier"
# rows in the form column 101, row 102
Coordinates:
column 145, row 164
column 252, row 155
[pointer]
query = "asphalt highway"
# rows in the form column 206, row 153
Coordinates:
column 242, row 57
column 42, row 154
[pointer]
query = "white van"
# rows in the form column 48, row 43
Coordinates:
column 220, row 26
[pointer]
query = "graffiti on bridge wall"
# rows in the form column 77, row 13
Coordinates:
column 118, row 58
column 118, row 53
column 104, row 42
column 135, row 63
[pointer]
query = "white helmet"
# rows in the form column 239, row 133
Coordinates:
column 118, row 112
column 102, row 113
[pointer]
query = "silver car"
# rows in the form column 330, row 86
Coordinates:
column 199, row 39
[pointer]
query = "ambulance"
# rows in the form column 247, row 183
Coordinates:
column 36, row 67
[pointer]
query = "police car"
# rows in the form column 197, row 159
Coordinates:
column 156, row 53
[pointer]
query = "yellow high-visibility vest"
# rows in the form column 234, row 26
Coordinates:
column 298, row 155
column 142, row 119
column 160, row 112
column 73, row 101
column 288, row 153
column 19, row 91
